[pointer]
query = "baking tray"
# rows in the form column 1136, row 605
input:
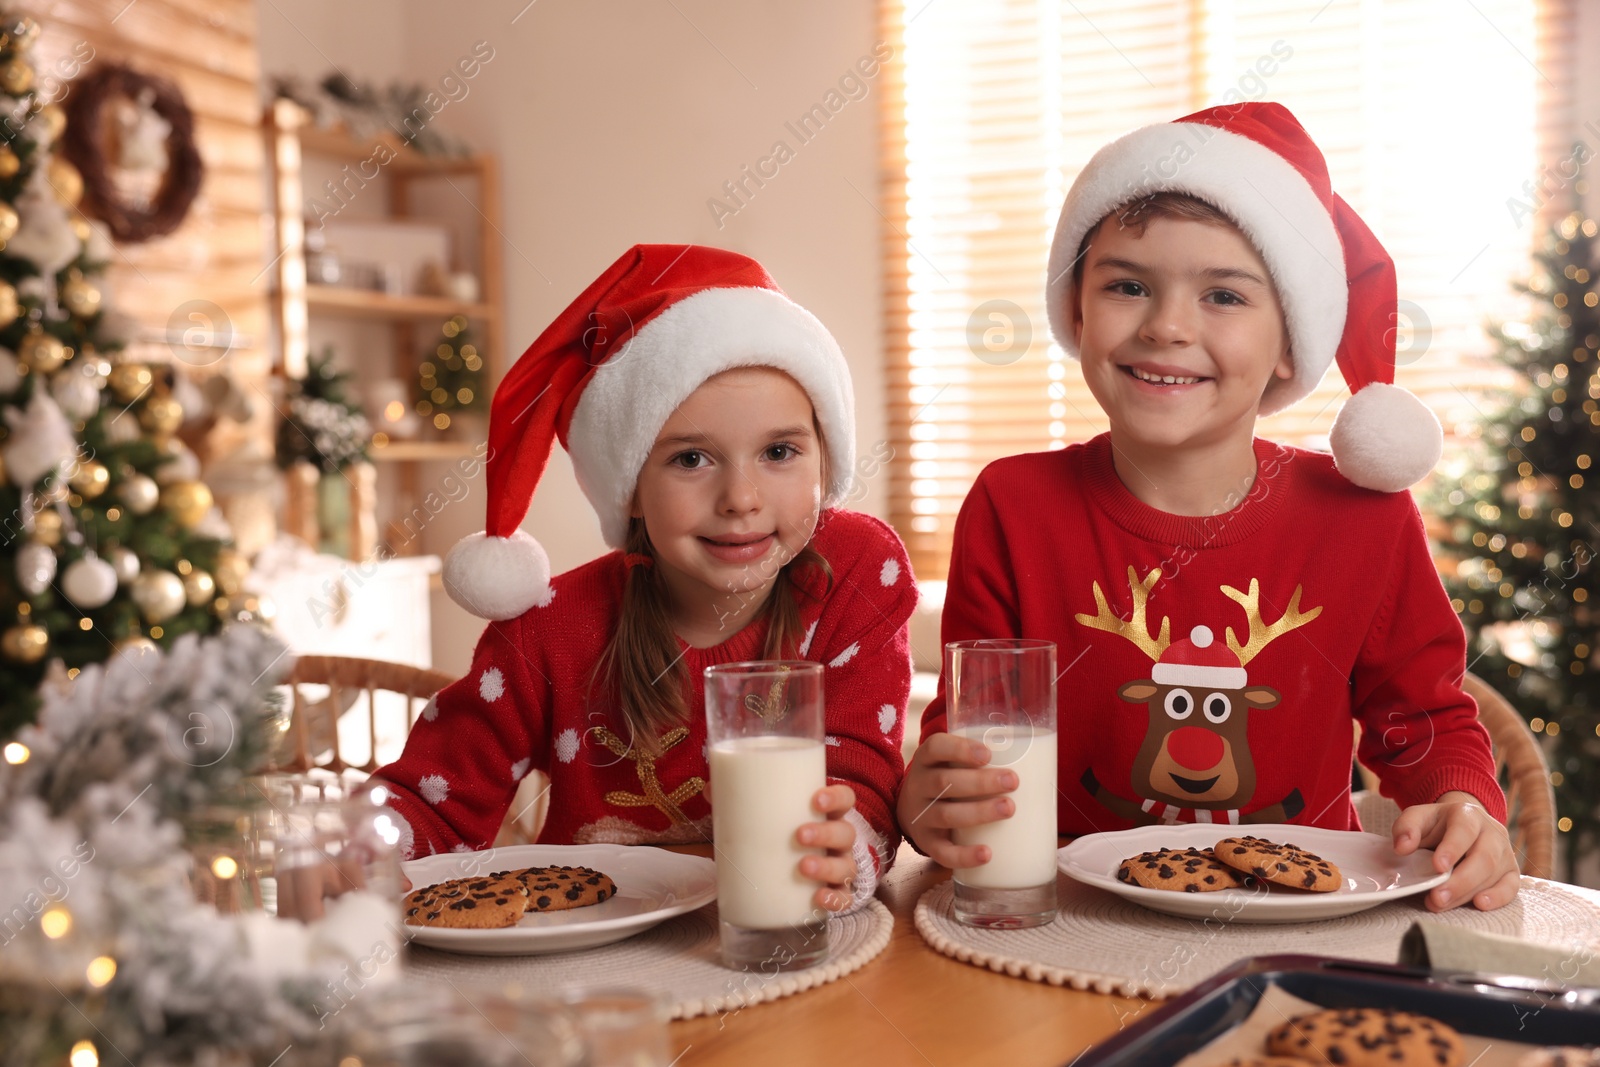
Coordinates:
column 1475, row 1004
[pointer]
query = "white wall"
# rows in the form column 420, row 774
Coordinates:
column 614, row 123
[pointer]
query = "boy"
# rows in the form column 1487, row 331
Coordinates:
column 1223, row 605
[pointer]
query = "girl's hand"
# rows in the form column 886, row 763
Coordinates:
column 1467, row 838
column 836, row 871
column 946, row 786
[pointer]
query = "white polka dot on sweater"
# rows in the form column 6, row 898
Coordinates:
column 460, row 846
column 891, row 571
column 845, row 657
column 434, row 788
column 492, row 686
column 567, row 745
column 430, row 710
column 887, row 717
column 519, row 769
column 834, row 741
column 805, row 645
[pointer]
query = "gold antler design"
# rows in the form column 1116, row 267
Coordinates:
column 1262, row 635
column 1136, row 628
column 773, row 707
column 645, row 767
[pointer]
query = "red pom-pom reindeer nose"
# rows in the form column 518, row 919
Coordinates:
column 1195, row 748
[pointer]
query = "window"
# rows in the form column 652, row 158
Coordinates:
column 1433, row 115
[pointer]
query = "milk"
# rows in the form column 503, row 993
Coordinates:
column 761, row 790
column 1023, row 847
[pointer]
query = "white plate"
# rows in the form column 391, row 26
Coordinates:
column 1373, row 873
column 652, row 885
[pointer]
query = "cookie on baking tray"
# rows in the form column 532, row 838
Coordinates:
column 482, row 902
column 1284, row 865
column 1368, row 1037
column 1183, row 870
column 558, row 888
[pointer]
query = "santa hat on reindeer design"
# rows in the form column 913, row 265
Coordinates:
column 1198, row 661
column 1257, row 165
column 606, row 375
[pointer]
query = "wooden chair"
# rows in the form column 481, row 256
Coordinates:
column 1520, row 767
column 327, row 689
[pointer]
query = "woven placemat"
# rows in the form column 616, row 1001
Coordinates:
column 1102, row 942
column 678, row 960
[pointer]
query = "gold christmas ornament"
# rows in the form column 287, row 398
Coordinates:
column 81, row 228
column 188, row 502
column 47, row 528
column 25, row 643
column 9, row 163
column 130, row 380
column 199, row 588
column 81, row 296
column 9, row 307
column 159, row 594
column 161, row 415
column 16, row 76
column 53, row 120
column 10, row 222
column 90, row 479
column 65, row 180
column 231, row 571
column 41, row 352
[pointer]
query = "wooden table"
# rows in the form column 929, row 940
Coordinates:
column 910, row 1005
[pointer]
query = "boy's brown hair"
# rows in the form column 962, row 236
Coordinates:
column 1136, row 215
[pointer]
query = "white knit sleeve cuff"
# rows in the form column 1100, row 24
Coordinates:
column 870, row 854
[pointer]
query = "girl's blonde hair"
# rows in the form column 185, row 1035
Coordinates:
column 642, row 669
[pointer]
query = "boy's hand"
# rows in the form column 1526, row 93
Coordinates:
column 837, row 870
column 947, row 786
column 1464, row 836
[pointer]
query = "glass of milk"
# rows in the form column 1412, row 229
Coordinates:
column 1002, row 692
column 764, row 729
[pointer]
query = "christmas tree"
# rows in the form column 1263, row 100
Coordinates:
column 106, row 543
column 1523, row 521
column 450, row 377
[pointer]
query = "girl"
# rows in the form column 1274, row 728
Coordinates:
column 710, row 422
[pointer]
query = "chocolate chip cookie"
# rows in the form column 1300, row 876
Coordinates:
column 1186, row 870
column 1284, row 865
column 482, row 902
column 558, row 888
column 1368, row 1037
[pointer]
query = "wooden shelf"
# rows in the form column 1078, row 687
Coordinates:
column 423, row 450
column 366, row 303
column 340, row 144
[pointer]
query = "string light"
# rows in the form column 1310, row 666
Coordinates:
column 84, row 1055
column 56, row 923
column 100, row 971
column 224, row 867
column 16, row 752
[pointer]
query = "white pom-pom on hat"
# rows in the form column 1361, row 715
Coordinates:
column 1384, row 438
column 498, row 577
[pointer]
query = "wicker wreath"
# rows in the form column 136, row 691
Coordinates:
column 84, row 148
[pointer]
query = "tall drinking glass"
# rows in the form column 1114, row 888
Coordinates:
column 1002, row 693
column 764, row 726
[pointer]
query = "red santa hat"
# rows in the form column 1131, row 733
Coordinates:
column 1199, row 661
column 606, row 375
column 1256, row 164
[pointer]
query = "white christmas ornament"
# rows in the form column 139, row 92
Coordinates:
column 99, row 249
column 184, row 466
column 122, row 429
column 9, row 377
column 41, row 440
column 140, row 493
column 36, row 567
column 33, row 287
column 45, row 236
column 159, row 595
column 126, row 563
column 77, row 391
column 89, row 582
